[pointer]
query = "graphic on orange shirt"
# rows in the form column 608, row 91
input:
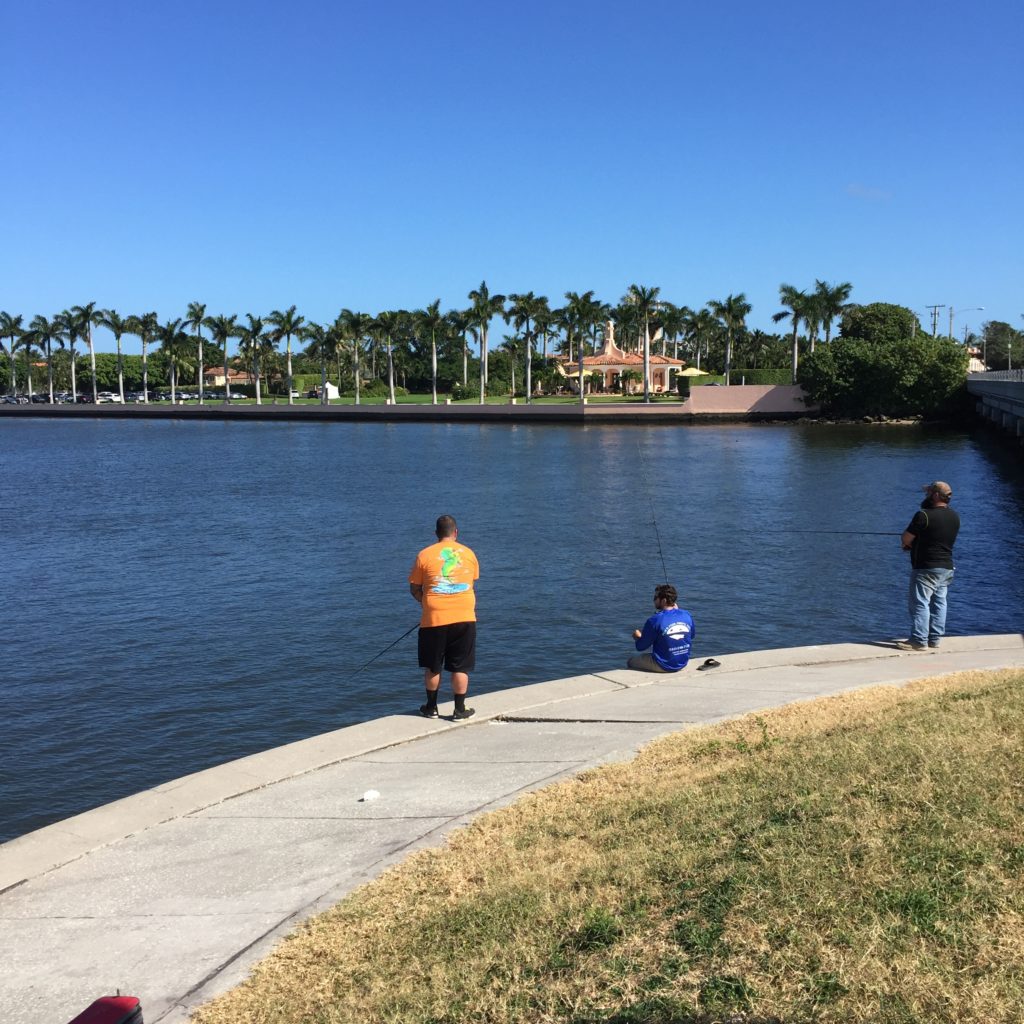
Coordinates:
column 446, row 572
column 445, row 585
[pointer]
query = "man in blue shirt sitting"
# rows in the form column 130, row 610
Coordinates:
column 668, row 632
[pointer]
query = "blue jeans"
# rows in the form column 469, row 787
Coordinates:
column 928, row 605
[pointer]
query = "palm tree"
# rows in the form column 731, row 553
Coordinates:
column 250, row 346
column 86, row 316
column 832, row 300
column 144, row 328
column 194, row 319
column 222, row 328
column 459, row 322
column 543, row 323
column 173, row 340
column 511, row 345
column 644, row 300
column 671, row 318
column 117, row 326
column 731, row 313
column 10, row 327
column 524, row 312
column 26, row 343
column 286, row 324
column 269, row 359
column 70, row 328
column 575, row 319
column 628, row 325
column 812, row 318
column 485, row 307
column 596, row 314
column 431, row 321
column 389, row 324
column 44, row 333
column 795, row 302
column 698, row 329
column 322, row 345
column 355, row 327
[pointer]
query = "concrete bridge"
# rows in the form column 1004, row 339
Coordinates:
column 1000, row 395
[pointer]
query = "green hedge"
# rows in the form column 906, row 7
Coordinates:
column 305, row 382
column 762, row 376
column 376, row 388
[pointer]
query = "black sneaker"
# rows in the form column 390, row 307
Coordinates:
column 461, row 716
column 428, row 710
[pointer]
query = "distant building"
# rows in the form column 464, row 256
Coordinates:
column 213, row 377
column 611, row 362
column 974, row 364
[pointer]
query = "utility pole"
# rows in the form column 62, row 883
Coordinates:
column 935, row 316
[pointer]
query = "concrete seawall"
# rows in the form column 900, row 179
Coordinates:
column 740, row 403
column 173, row 894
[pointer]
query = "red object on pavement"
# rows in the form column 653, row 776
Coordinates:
column 111, row 1010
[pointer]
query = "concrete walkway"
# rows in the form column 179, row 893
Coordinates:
column 171, row 895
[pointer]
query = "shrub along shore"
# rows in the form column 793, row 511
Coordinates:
column 854, row 859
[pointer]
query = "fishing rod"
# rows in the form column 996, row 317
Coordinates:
column 385, row 651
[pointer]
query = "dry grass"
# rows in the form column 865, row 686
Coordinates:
column 853, row 859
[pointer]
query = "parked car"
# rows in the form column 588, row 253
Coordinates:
column 85, row 398
column 8, row 400
column 38, row 399
column 108, row 396
column 236, row 394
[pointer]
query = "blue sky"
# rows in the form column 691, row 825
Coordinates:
column 254, row 155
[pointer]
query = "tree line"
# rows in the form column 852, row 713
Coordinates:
column 428, row 345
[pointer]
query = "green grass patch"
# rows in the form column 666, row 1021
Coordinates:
column 856, row 859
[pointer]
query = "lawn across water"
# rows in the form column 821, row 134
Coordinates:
column 853, row 859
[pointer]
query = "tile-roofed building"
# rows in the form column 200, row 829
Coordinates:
column 612, row 361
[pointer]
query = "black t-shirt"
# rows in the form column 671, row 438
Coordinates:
column 934, row 531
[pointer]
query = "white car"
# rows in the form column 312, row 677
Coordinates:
column 108, row 396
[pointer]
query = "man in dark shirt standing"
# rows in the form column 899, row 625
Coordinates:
column 930, row 538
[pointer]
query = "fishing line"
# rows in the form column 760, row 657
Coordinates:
column 650, row 499
column 844, row 533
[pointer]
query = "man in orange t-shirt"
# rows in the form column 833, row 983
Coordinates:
column 442, row 580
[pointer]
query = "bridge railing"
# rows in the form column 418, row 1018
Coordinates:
column 1017, row 375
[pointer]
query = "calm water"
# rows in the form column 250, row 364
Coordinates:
column 180, row 594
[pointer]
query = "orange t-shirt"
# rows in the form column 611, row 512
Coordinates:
column 446, row 571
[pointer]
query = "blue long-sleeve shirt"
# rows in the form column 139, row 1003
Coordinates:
column 669, row 633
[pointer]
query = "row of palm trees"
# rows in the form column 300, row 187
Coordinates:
column 353, row 336
column 816, row 309
column 76, row 324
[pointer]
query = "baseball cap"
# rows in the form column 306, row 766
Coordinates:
column 939, row 487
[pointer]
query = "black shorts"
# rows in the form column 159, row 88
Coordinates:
column 451, row 647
